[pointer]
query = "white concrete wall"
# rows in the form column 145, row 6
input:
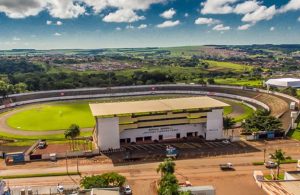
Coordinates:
column 168, row 132
column 108, row 133
column 214, row 124
column 288, row 176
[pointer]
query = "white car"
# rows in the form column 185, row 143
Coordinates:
column 226, row 142
column 271, row 165
column 60, row 188
column 127, row 190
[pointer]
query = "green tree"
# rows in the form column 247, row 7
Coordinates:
column 168, row 166
column 5, row 89
column 211, row 81
column 114, row 179
column 261, row 121
column 72, row 133
column 168, row 185
column 20, row 88
column 278, row 156
column 228, row 123
column 89, row 182
column 105, row 180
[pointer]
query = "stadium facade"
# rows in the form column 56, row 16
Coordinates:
column 145, row 121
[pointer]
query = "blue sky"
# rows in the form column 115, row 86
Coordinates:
column 56, row 24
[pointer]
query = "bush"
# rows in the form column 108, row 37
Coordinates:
column 258, row 163
column 103, row 181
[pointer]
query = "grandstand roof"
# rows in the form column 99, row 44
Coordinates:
column 118, row 108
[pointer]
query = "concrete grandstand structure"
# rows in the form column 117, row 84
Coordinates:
column 126, row 122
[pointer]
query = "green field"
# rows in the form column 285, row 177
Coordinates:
column 49, row 117
column 228, row 65
column 59, row 116
column 295, row 133
column 239, row 82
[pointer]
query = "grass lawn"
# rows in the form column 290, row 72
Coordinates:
column 29, row 140
column 53, row 117
column 39, row 175
column 228, row 65
column 247, row 112
column 59, row 116
column 280, row 177
column 228, row 110
column 241, row 82
column 294, row 133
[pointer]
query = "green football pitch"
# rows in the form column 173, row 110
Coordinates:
column 56, row 116
column 59, row 116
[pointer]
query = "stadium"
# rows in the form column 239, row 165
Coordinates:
column 31, row 116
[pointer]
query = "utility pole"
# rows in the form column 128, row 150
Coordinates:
column 77, row 165
column 67, row 163
column 265, row 154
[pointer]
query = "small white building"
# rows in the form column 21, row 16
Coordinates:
column 284, row 82
column 154, row 120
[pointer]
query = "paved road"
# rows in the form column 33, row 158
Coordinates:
column 204, row 171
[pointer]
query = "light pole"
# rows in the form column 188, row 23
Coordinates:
column 265, row 154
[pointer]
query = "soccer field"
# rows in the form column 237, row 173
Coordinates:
column 56, row 116
column 59, row 116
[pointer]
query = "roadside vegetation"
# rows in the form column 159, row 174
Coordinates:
column 106, row 180
column 168, row 183
column 261, row 121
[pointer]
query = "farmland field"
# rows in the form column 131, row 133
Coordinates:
column 227, row 66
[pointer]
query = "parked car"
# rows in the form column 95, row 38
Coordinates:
column 60, row 188
column 42, row 144
column 127, row 190
column 226, row 141
column 271, row 165
column 227, row 167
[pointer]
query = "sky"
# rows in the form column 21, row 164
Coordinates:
column 91, row 24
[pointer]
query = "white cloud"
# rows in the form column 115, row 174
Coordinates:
column 246, row 7
column 65, row 9
column 272, row 28
column 129, row 26
column 21, row 8
column 123, row 15
column 262, row 13
column 59, row 23
column 217, row 6
column 186, row 15
column 57, row 34
column 118, row 28
column 168, row 14
column 99, row 5
column 16, row 39
column 291, row 5
column 168, row 23
column 208, row 21
column 142, row 26
column 244, row 27
column 299, row 19
column 48, row 22
column 221, row 27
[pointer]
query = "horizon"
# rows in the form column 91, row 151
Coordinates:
column 160, row 47
column 44, row 24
